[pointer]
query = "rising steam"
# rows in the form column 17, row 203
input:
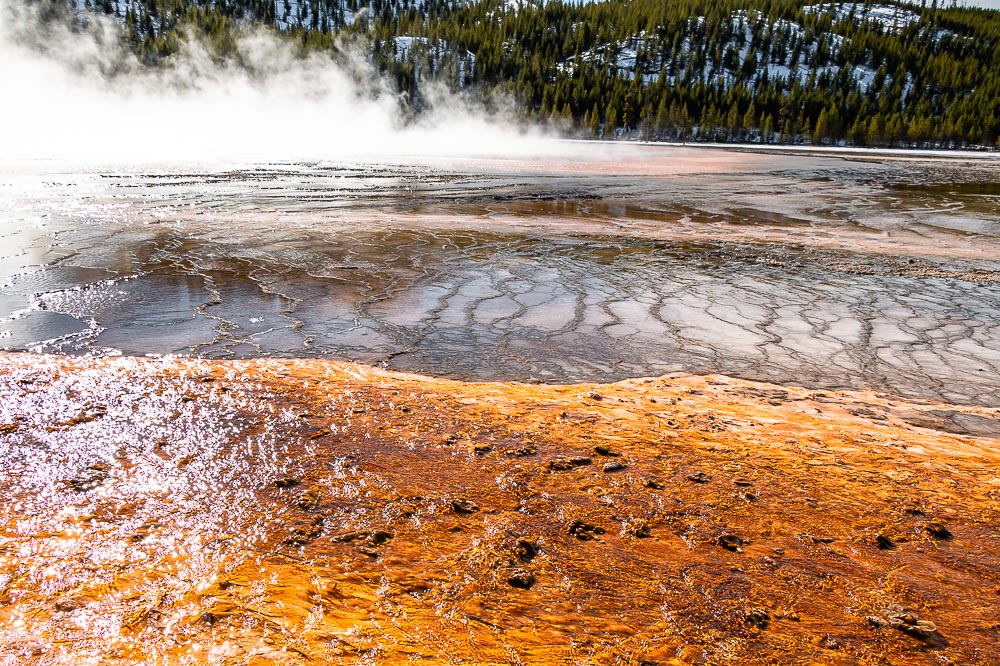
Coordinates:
column 79, row 95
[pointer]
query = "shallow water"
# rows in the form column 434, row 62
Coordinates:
column 819, row 270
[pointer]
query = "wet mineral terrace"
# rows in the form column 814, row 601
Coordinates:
column 308, row 511
column 857, row 271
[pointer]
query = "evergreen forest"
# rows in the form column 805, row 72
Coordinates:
column 880, row 74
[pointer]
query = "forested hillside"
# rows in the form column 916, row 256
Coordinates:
column 709, row 70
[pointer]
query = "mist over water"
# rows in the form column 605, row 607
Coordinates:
column 79, row 95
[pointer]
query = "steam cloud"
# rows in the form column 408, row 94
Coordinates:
column 62, row 102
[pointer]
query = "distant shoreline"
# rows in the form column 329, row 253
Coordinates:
column 794, row 149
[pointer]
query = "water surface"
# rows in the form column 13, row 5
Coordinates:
column 820, row 270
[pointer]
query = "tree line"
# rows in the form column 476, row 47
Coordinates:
column 768, row 71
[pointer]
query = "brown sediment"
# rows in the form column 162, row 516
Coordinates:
column 270, row 511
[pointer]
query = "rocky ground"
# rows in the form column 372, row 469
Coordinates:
column 269, row 511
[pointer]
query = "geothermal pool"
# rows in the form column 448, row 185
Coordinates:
column 251, row 506
column 597, row 264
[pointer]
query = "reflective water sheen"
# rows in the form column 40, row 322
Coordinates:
column 820, row 270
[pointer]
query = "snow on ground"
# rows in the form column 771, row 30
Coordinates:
column 791, row 56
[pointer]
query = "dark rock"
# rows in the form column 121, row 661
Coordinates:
column 595, row 396
column 521, row 451
column 68, row 605
column 464, row 506
column 526, row 549
column 910, row 623
column 731, row 542
column 641, row 531
column 654, row 484
column 309, row 500
column 304, row 532
column 521, row 578
column 287, row 481
column 378, row 537
column 743, row 483
column 369, row 551
column 699, row 477
column 346, row 537
column 939, row 531
column 585, row 531
column 613, row 467
column 209, row 618
column 91, row 477
column 605, row 450
column 482, row 448
column 142, row 533
column 562, row 463
column 884, row 543
column 759, row 619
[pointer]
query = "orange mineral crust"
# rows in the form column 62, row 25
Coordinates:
column 295, row 512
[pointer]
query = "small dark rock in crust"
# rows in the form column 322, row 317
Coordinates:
column 613, row 467
column 699, row 477
column 731, row 542
column 482, row 448
column 287, row 482
column 521, row 451
column 939, row 531
column 309, row 500
column 378, row 537
column 875, row 621
column 884, row 543
column 654, row 484
column 759, row 619
column 305, row 532
column 605, row 450
column 595, row 396
column 526, row 549
column 910, row 623
column 209, row 618
column 91, row 477
column 641, row 531
column 68, row 605
column 464, row 506
column 585, row 531
column 521, row 578
column 743, row 483
column 561, row 464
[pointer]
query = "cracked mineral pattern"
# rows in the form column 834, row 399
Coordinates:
column 822, row 271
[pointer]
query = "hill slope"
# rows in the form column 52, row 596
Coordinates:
column 724, row 70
